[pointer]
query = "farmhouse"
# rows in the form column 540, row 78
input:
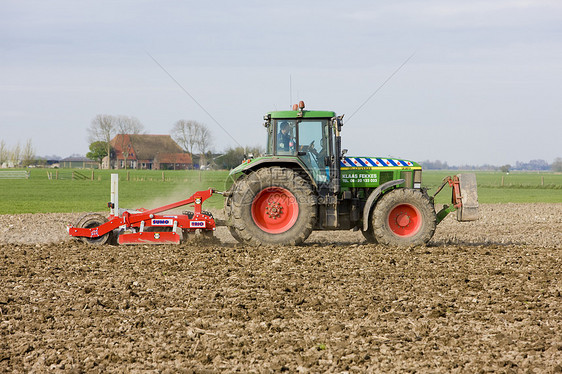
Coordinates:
column 158, row 152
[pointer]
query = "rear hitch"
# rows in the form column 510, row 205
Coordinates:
column 464, row 197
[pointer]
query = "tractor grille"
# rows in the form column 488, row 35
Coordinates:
column 386, row 176
column 407, row 176
column 417, row 178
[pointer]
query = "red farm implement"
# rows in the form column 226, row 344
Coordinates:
column 145, row 226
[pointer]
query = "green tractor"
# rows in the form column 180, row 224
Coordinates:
column 306, row 182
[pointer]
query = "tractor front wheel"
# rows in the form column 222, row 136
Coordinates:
column 272, row 206
column 404, row 217
column 369, row 235
column 89, row 221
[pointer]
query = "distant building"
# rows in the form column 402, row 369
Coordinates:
column 78, row 162
column 157, row 152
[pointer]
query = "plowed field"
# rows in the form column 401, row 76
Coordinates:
column 483, row 296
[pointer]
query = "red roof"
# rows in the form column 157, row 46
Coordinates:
column 149, row 147
column 173, row 158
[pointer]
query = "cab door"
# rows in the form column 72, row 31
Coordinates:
column 314, row 148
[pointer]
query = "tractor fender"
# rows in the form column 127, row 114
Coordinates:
column 374, row 196
column 292, row 163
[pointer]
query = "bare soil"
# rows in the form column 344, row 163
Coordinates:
column 484, row 296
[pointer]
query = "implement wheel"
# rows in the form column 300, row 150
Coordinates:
column 272, row 206
column 404, row 217
column 89, row 221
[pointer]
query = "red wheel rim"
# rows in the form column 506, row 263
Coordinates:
column 275, row 210
column 404, row 220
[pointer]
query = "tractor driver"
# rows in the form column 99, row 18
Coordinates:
column 285, row 140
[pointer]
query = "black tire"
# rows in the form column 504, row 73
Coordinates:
column 229, row 213
column 404, row 217
column 272, row 206
column 234, row 234
column 92, row 220
column 369, row 235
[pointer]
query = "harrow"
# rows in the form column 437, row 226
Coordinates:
column 126, row 226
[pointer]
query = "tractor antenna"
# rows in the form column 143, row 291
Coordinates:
column 290, row 90
column 192, row 98
column 382, row 85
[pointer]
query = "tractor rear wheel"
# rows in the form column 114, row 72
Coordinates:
column 272, row 206
column 404, row 217
column 92, row 220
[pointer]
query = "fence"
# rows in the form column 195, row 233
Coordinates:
column 14, row 174
column 68, row 174
column 84, row 175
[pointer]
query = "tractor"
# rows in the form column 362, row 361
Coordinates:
column 306, row 182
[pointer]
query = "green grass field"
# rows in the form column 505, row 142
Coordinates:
column 497, row 187
column 141, row 188
column 144, row 189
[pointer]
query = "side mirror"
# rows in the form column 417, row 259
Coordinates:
column 340, row 122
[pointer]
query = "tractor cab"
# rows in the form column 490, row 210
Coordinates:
column 306, row 136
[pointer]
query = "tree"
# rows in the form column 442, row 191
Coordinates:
column 185, row 133
column 532, row 165
column 15, row 155
column 102, row 128
column 28, row 154
column 192, row 134
column 127, row 126
column 98, row 150
column 203, row 142
column 505, row 168
column 557, row 165
column 3, row 152
column 233, row 157
column 434, row 165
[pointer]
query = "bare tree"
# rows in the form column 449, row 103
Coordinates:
column 15, row 155
column 3, row 152
column 186, row 134
column 28, row 154
column 203, row 142
column 127, row 126
column 102, row 128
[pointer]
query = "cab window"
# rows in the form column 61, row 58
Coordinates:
column 285, row 140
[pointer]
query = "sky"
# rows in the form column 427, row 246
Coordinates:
column 482, row 86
